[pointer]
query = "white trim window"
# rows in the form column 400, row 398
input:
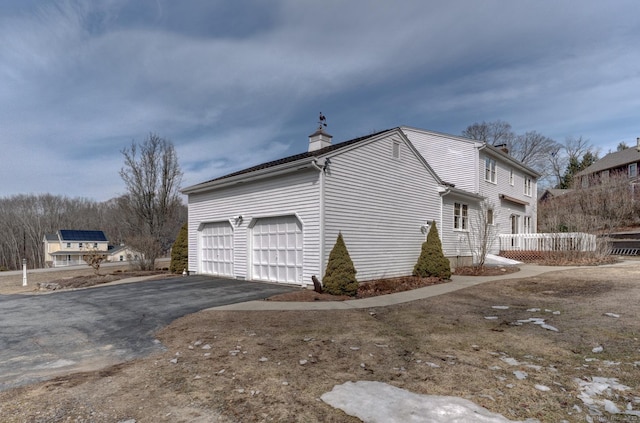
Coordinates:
column 527, row 186
column 527, row 225
column 460, row 216
column 490, row 170
column 490, row 220
column 633, row 170
column 511, row 178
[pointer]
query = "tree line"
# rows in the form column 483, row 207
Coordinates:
column 25, row 219
column 556, row 161
column 147, row 217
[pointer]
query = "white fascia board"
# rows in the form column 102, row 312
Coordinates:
column 460, row 193
column 517, row 163
column 252, row 176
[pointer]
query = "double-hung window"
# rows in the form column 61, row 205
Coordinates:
column 527, row 224
column 490, row 170
column 527, row 186
column 460, row 216
column 633, row 170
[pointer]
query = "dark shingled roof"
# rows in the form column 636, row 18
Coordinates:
column 613, row 160
column 296, row 157
column 73, row 235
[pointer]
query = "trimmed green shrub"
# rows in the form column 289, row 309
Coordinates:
column 340, row 276
column 432, row 262
column 180, row 251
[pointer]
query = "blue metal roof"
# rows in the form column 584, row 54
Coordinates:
column 73, row 235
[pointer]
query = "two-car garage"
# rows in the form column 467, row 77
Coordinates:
column 274, row 249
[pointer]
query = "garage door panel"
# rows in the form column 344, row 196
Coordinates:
column 217, row 249
column 277, row 241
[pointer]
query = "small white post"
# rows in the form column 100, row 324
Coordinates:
column 24, row 272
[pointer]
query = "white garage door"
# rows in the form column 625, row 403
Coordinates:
column 216, row 249
column 277, row 249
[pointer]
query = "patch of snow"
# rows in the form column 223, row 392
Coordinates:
column 520, row 375
column 533, row 310
column 510, row 361
column 377, row 402
column 542, row 388
column 500, row 307
column 491, row 317
column 549, row 327
column 615, row 316
column 492, row 259
column 597, row 349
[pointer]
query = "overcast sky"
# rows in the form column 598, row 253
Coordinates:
column 236, row 83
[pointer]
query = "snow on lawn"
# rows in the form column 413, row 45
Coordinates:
column 377, row 402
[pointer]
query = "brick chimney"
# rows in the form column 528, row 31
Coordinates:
column 319, row 139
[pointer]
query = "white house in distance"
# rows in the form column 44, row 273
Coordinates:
column 278, row 221
column 67, row 248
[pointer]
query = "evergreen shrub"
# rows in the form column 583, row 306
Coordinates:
column 340, row 276
column 432, row 262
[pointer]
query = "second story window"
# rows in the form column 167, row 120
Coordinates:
column 527, row 186
column 95, row 245
column 460, row 216
column 633, row 170
column 490, row 170
column 80, row 245
column 68, row 245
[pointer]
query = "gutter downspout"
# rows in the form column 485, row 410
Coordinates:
column 442, row 191
column 320, row 219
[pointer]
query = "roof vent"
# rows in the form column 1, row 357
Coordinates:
column 320, row 139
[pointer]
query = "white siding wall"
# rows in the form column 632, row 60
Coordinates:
column 455, row 243
column 296, row 193
column 379, row 204
column 503, row 209
column 452, row 159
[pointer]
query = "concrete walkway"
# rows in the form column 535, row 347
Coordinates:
column 456, row 283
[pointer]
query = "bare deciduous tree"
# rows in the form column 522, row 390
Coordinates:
column 94, row 258
column 493, row 133
column 482, row 233
column 152, row 176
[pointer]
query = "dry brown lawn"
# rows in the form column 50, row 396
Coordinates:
column 273, row 366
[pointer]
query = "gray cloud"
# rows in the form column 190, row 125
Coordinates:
column 234, row 84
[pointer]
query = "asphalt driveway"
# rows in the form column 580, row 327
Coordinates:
column 42, row 336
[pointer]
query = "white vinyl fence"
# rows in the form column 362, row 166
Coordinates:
column 569, row 241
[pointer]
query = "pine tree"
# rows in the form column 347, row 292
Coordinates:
column 340, row 276
column 432, row 261
column 180, row 251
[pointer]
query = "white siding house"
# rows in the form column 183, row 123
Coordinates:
column 506, row 189
column 278, row 221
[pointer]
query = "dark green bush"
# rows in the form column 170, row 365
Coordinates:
column 180, row 251
column 340, row 276
column 432, row 261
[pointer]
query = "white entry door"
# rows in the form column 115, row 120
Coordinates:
column 277, row 249
column 216, row 249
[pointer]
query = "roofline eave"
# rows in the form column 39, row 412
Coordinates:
column 251, row 176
